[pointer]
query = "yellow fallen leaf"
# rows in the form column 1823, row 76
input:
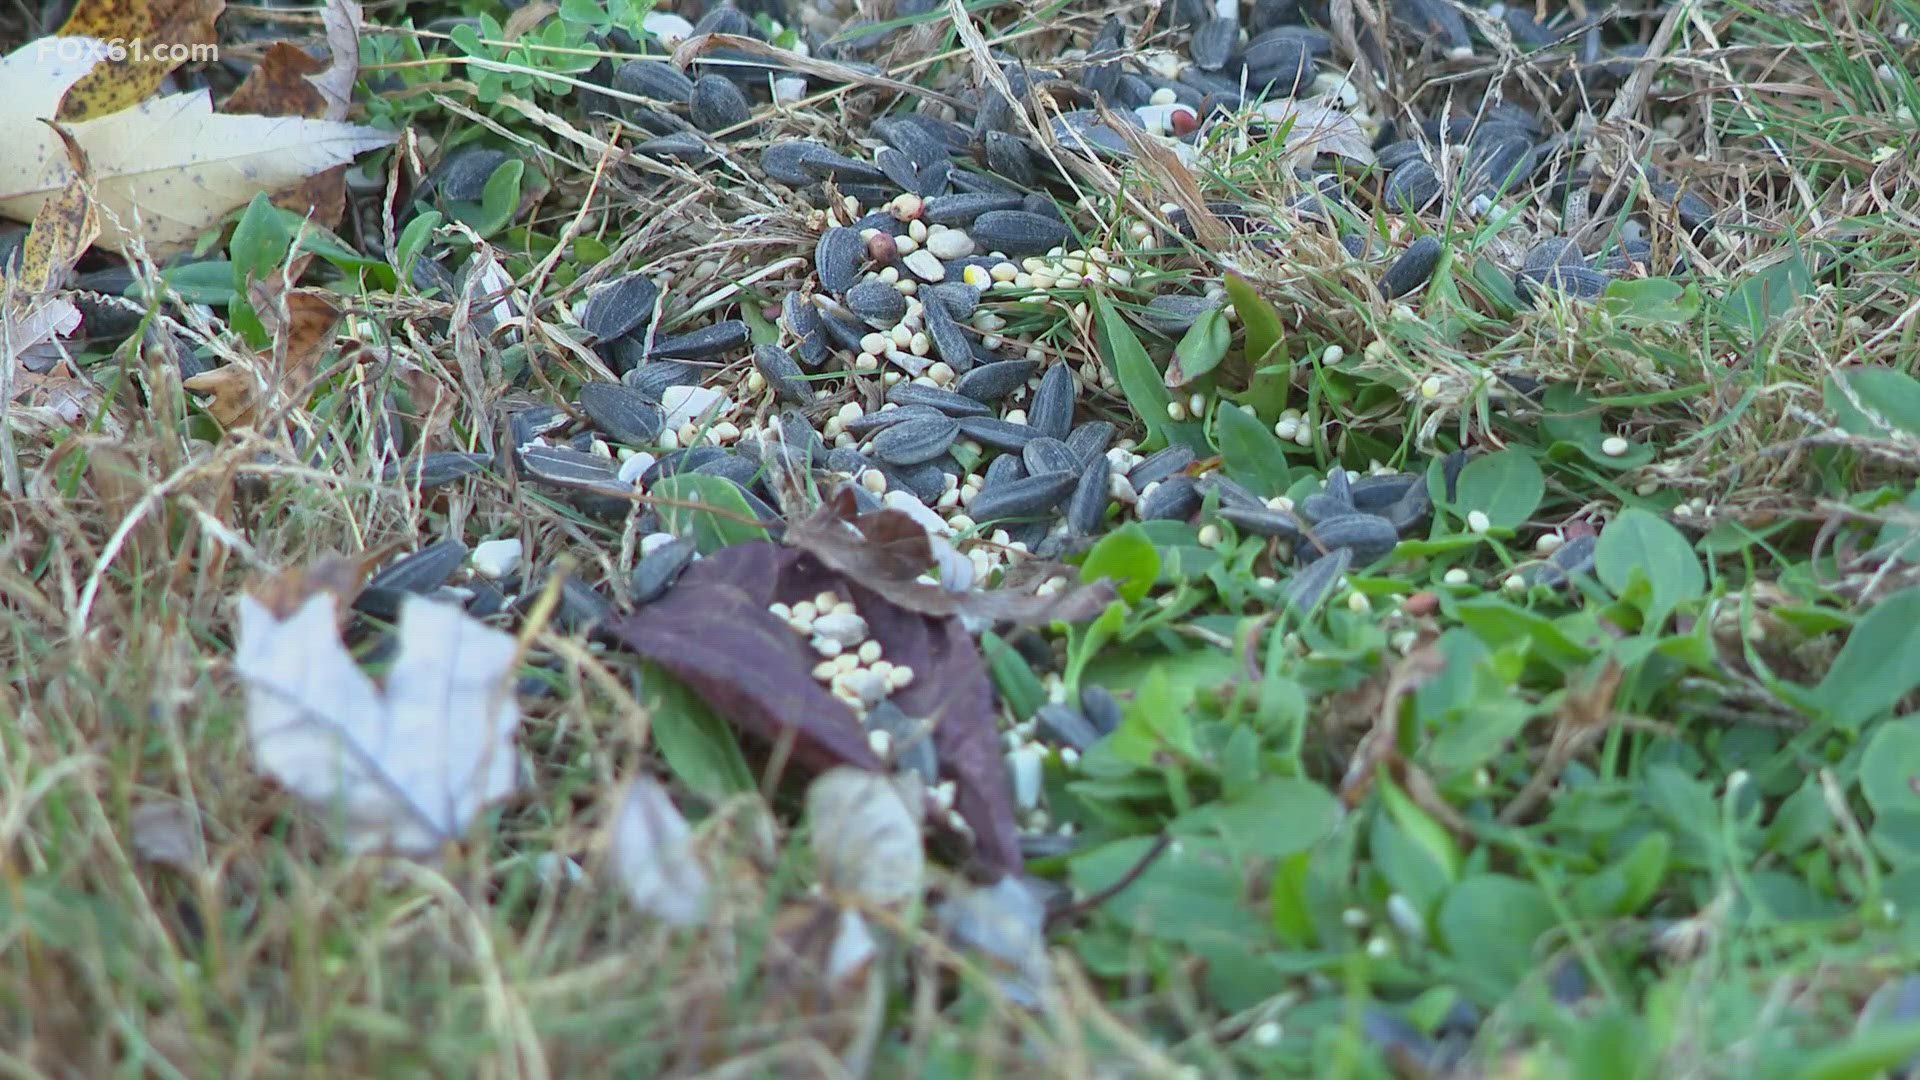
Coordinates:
column 165, row 170
column 63, row 229
column 152, row 37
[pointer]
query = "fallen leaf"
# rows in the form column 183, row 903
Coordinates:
column 63, row 228
column 153, row 38
column 41, row 322
column 342, row 19
column 713, row 632
column 341, row 576
column 1319, row 129
column 301, row 322
column 406, row 769
column 1005, row 924
column 866, row 841
column 887, row 551
column 164, row 170
column 288, row 82
column 235, row 394
column 654, row 857
column 167, row 831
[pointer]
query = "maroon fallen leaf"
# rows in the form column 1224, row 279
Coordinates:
column 713, row 632
column 886, row 551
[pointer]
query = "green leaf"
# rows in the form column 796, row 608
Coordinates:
column 1889, row 765
column 1201, row 348
column 1190, row 895
column 208, row 282
column 1140, row 380
column 1019, row 687
column 1871, row 1053
column 1126, row 556
column 498, row 200
column 1757, row 305
column 1281, row 816
column 1250, row 450
column 1506, row 486
column 697, row 744
column 710, row 531
column 1879, row 665
column 1292, row 911
column 1265, row 334
column 414, row 240
column 1641, row 544
column 1421, row 828
column 1891, row 400
column 1489, row 923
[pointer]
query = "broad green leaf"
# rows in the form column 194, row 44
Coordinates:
column 208, row 282
column 1889, row 766
column 710, row 531
column 1201, row 348
column 1126, row 556
column 1141, row 381
column 1879, row 665
column 1292, row 913
column 1489, row 923
column 1871, row 1053
column 413, row 240
column 1891, row 400
column 697, row 744
column 1506, row 486
column 1757, row 304
column 1191, row 895
column 1641, row 544
column 1421, row 828
column 1265, row 334
column 1250, row 450
column 1019, row 687
column 1281, row 816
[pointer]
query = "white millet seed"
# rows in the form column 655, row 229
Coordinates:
column 1477, row 521
column 1614, row 446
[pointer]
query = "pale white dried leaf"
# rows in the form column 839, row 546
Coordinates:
column 1004, row 923
column 42, row 321
column 866, row 841
column 854, row 948
column 167, row 831
column 1319, row 129
column 406, row 770
column 170, row 167
column 654, row 857
column 342, row 20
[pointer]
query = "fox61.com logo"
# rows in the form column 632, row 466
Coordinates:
column 121, row 50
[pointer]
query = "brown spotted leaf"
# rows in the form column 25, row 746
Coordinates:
column 154, row 37
column 64, row 227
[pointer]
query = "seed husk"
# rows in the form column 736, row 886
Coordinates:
column 1176, row 313
column 1409, row 512
column 1091, row 439
column 1017, row 232
column 991, row 431
column 1046, row 454
column 687, row 147
column 1370, row 538
column 1230, row 491
column 1087, row 506
column 708, row 341
column 565, row 467
column 418, row 574
column 950, row 343
column 844, row 171
column 1175, row 499
column 1277, row 524
column 990, row 382
column 1412, row 269
column 1375, row 493
column 960, row 209
column 1051, row 412
column 659, row 569
column 877, row 303
column 837, row 257
column 1029, row 496
column 652, row 378
column 1214, row 42
column 948, row 402
column 786, row 160
column 1412, row 187
column 437, row 469
column 783, row 373
column 1315, row 582
column 622, row 413
column 868, row 423
column 1161, row 465
column 915, row 441
column 620, row 307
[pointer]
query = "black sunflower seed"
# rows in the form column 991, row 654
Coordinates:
column 1064, row 725
column 1230, row 492
column 1044, row 455
column 563, row 467
column 1091, row 439
column 783, row 373
column 786, row 160
column 837, row 258
column 950, row 343
column 948, row 402
column 622, row 413
column 655, row 80
column 1580, row 282
column 868, row 423
column 959, row 210
column 957, row 298
column 1009, row 156
column 716, row 104
column 914, row 441
column 417, row 574
column 1412, row 269
column 1173, row 499
column 1175, row 314
column 1000, row 470
column 1277, row 524
column 659, row 569
column 991, row 382
column 1375, row 493
column 1279, row 66
column 1370, row 538
column 991, row 431
column 844, row 170
column 877, row 303
column 1412, row 187
column 724, row 336
column 927, row 480
column 1317, row 581
column 799, row 315
column 1029, row 496
column 1160, row 465
column 620, row 307
column 652, row 378
column 921, row 146
column 686, row 147
column 1051, row 411
column 437, row 469
column 527, row 424
column 1017, row 232
column 1214, row 42
column 1411, row 510
column 1087, row 506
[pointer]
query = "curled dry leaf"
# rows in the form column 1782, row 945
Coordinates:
column 64, row 226
column 167, row 831
column 654, row 857
column 1317, row 128
column 165, row 170
column 302, row 323
column 406, row 768
column 866, row 841
column 713, row 632
column 887, row 551
column 288, row 82
column 156, row 34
